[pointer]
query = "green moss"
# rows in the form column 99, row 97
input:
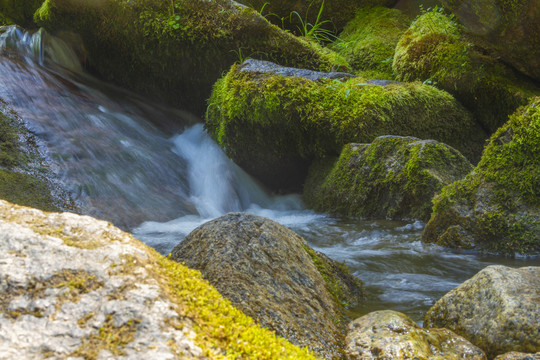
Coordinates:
column 435, row 51
column 394, row 177
column 19, row 12
column 175, row 53
column 369, row 40
column 497, row 206
column 273, row 126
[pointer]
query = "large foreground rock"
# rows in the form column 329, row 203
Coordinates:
column 75, row 287
column 273, row 123
column 496, row 207
column 175, row 51
column 270, row 273
column 390, row 335
column 394, row 177
column 498, row 310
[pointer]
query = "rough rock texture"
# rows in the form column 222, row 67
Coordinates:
column 389, row 335
column 175, row 50
column 270, row 273
column 518, row 356
column 274, row 125
column 435, row 51
column 498, row 310
column 497, row 206
column 75, row 287
column 369, row 40
column 511, row 28
column 394, row 177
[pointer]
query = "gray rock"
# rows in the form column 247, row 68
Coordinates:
column 498, row 310
column 518, row 356
column 262, row 66
column 271, row 274
column 389, row 335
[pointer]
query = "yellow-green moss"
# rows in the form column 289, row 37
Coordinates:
column 497, row 206
column 369, row 40
column 19, row 12
column 273, row 126
column 176, row 52
column 434, row 50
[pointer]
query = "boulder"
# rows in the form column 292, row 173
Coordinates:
column 394, row 177
column 369, row 40
column 496, row 208
column 75, row 287
column 518, row 356
column 271, row 274
column 510, row 28
column 390, row 335
column 20, row 12
column 498, row 310
column 435, row 50
column 174, row 51
column 274, row 125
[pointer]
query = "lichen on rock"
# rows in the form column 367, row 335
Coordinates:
column 273, row 126
column 394, row 177
column 496, row 208
column 270, row 273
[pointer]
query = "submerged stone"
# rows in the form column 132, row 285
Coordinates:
column 273, row 125
column 496, row 208
column 270, row 273
column 434, row 50
column 498, row 310
column 390, row 335
column 394, row 177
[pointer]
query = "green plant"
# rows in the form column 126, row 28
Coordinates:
column 242, row 57
column 314, row 31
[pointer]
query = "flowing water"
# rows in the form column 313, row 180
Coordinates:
column 153, row 171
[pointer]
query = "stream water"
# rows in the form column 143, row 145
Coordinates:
column 152, row 170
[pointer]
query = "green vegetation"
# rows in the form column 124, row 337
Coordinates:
column 273, row 126
column 434, row 50
column 393, row 177
column 497, row 206
column 175, row 53
column 369, row 40
column 315, row 31
column 20, row 12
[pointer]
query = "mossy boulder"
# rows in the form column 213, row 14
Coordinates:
column 20, row 12
column 385, row 335
column 174, row 51
column 497, row 310
column 496, row 207
column 75, row 287
column 274, row 123
column 392, row 178
column 518, row 356
column 434, row 50
column 271, row 274
column 508, row 27
column 369, row 40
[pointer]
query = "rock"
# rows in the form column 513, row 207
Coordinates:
column 19, row 12
column 498, row 310
column 390, row 335
column 435, row 50
column 273, row 126
column 496, row 208
column 75, row 287
column 175, row 54
column 271, row 274
column 369, row 40
column 518, row 356
column 510, row 28
column 394, row 177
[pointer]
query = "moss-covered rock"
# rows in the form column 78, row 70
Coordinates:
column 274, row 125
column 435, row 50
column 497, row 206
column 20, row 12
column 271, row 274
column 497, row 310
column 394, row 178
column 518, row 356
column 175, row 50
column 369, row 40
column 509, row 27
column 385, row 335
column 76, row 287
